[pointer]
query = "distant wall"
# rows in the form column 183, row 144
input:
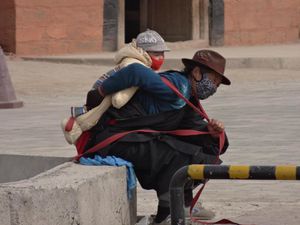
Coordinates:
column 261, row 21
column 54, row 26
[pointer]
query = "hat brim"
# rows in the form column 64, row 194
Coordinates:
column 157, row 49
column 188, row 62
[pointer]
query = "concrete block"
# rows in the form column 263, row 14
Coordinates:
column 291, row 63
column 69, row 194
column 4, row 209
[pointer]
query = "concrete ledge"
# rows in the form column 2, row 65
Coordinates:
column 247, row 63
column 264, row 56
column 71, row 60
column 292, row 63
column 267, row 63
column 69, row 194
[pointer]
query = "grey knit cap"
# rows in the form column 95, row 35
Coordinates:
column 151, row 41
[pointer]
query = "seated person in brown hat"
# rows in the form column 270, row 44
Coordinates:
column 157, row 155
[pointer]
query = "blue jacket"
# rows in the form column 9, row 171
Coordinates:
column 153, row 94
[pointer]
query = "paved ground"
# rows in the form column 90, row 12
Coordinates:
column 260, row 110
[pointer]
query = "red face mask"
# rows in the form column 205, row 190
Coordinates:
column 156, row 62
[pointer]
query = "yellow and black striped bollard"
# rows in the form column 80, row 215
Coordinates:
column 242, row 172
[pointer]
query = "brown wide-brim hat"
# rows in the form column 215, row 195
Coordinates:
column 210, row 59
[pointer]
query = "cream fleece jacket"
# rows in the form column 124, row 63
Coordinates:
column 125, row 56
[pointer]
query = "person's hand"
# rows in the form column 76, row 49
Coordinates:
column 215, row 127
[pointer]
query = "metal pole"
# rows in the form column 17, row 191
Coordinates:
column 287, row 172
column 200, row 172
column 177, row 196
